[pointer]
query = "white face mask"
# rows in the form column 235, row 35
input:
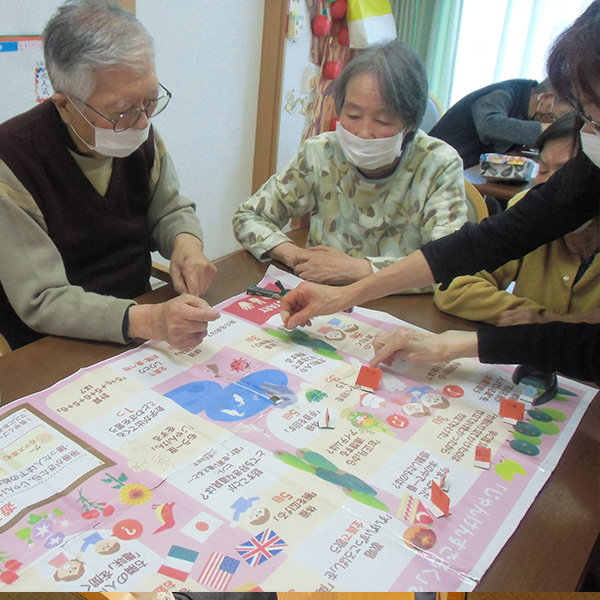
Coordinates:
column 372, row 153
column 111, row 143
column 590, row 144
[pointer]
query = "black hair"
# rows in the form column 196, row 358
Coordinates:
column 573, row 67
column 563, row 128
column 573, row 63
column 401, row 76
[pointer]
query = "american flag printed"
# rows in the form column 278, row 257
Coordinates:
column 218, row 571
column 261, row 548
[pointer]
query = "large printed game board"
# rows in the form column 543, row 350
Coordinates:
column 255, row 461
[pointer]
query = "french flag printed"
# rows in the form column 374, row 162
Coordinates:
column 178, row 563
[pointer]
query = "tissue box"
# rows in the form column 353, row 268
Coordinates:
column 505, row 167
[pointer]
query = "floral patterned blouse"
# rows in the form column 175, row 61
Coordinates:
column 381, row 220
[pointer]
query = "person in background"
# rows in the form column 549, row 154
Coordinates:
column 559, row 281
column 376, row 189
column 499, row 118
column 569, row 199
column 88, row 190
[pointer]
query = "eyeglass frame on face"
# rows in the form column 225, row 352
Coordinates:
column 548, row 116
column 139, row 110
column 576, row 106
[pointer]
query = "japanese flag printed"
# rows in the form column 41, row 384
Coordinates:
column 370, row 22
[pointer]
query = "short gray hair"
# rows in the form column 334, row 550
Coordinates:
column 86, row 35
column 402, row 80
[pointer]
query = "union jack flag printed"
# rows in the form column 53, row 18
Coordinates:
column 261, row 548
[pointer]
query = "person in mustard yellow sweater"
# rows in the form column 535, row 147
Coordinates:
column 557, row 282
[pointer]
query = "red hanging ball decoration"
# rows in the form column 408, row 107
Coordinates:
column 344, row 37
column 321, row 25
column 333, row 124
column 332, row 69
column 338, row 9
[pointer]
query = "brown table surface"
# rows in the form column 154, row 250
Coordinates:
column 551, row 546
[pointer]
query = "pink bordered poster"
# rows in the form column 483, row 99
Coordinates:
column 256, row 461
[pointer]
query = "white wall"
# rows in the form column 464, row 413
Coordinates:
column 208, row 55
column 25, row 17
column 297, row 59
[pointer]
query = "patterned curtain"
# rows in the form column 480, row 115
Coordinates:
column 431, row 28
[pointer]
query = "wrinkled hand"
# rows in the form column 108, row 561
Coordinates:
column 309, row 300
column 520, row 316
column 190, row 270
column 414, row 345
column 181, row 321
column 322, row 264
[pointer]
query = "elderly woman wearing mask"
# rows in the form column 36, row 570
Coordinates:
column 376, row 189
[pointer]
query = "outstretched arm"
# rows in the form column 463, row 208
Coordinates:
column 406, row 343
column 309, row 300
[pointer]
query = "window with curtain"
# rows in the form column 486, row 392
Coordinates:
column 468, row 44
column 431, row 28
column 507, row 39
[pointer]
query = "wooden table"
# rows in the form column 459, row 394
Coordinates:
column 551, row 546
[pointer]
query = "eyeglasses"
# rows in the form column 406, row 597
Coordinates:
column 576, row 106
column 129, row 118
column 548, row 116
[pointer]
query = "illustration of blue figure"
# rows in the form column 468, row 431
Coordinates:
column 417, row 391
column 251, row 395
column 254, row 515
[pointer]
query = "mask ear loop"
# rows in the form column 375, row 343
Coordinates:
column 548, row 114
column 539, row 99
column 87, row 121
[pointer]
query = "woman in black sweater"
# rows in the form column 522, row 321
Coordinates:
column 567, row 201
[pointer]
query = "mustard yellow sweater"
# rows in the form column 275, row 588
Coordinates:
column 543, row 280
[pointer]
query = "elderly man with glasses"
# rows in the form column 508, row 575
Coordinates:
column 87, row 191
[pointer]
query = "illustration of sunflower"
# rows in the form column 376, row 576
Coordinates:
column 134, row 493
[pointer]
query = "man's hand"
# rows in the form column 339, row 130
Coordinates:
column 323, row 264
column 182, row 321
column 191, row 272
column 415, row 345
